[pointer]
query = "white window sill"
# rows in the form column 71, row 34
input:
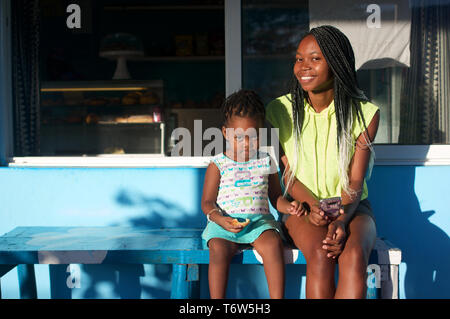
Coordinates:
column 421, row 155
column 135, row 160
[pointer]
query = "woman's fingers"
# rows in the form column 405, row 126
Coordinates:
column 333, row 250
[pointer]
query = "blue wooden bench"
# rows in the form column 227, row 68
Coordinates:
column 24, row 247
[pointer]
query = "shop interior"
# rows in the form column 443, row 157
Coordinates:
column 133, row 72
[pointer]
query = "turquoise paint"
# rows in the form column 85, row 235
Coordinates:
column 410, row 204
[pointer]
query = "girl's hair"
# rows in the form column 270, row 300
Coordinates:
column 338, row 53
column 245, row 103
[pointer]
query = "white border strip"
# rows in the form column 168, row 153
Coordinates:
column 137, row 160
column 386, row 155
column 415, row 155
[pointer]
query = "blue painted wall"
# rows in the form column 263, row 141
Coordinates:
column 410, row 204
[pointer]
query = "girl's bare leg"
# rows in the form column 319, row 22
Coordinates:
column 270, row 247
column 319, row 268
column 354, row 258
column 221, row 251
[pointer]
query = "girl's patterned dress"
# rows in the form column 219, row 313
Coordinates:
column 243, row 193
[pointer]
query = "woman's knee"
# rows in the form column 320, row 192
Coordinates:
column 354, row 257
column 317, row 260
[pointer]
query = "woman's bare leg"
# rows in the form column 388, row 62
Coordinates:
column 221, row 251
column 270, row 247
column 361, row 236
column 319, row 268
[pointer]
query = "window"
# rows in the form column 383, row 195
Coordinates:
column 114, row 77
column 412, row 96
column 401, row 47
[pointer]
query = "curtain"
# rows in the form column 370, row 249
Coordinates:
column 425, row 100
column 25, row 69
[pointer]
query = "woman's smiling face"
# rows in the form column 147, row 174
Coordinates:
column 311, row 68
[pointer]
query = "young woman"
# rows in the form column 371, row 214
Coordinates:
column 326, row 126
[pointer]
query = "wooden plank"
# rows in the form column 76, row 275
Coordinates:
column 97, row 245
column 101, row 231
column 18, row 257
column 61, row 243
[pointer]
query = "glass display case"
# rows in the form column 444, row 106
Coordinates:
column 102, row 117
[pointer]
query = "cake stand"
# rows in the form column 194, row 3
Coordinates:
column 121, row 56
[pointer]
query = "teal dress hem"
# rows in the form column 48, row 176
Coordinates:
column 258, row 224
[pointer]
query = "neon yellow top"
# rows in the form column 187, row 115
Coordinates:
column 318, row 161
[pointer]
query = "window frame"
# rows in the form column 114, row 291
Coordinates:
column 386, row 154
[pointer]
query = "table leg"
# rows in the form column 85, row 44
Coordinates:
column 27, row 281
column 60, row 287
column 185, row 282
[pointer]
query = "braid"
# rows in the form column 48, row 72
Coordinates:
column 338, row 53
column 245, row 103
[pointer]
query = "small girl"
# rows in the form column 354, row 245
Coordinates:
column 238, row 184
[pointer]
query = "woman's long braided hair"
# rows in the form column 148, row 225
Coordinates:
column 338, row 53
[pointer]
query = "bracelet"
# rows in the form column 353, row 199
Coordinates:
column 210, row 212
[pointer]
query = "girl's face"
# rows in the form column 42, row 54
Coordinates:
column 311, row 68
column 242, row 136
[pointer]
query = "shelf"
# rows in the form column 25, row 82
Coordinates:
column 208, row 58
column 103, row 105
column 269, row 56
column 111, row 85
column 160, row 8
column 99, row 124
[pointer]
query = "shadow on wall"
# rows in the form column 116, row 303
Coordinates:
column 134, row 281
column 425, row 247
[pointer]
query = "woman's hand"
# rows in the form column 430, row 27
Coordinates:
column 317, row 216
column 335, row 240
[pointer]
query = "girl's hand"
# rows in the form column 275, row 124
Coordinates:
column 335, row 239
column 317, row 216
column 226, row 223
column 296, row 208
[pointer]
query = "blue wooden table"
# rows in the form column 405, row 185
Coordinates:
column 23, row 247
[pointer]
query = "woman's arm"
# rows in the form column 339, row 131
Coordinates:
column 297, row 190
column 336, row 235
column 358, row 169
column 300, row 192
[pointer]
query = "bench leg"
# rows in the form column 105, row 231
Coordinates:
column 27, row 282
column 185, row 282
column 389, row 281
column 59, row 288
